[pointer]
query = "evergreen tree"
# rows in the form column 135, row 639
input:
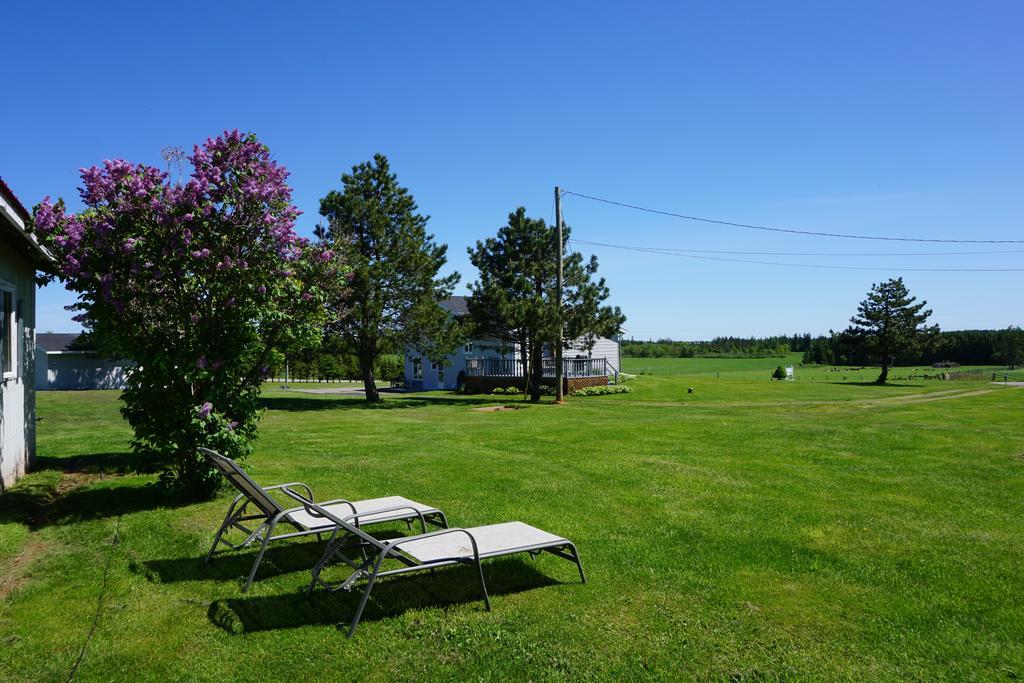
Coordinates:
column 393, row 296
column 1010, row 346
column 889, row 323
column 515, row 299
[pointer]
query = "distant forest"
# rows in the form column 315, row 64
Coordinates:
column 966, row 347
column 719, row 347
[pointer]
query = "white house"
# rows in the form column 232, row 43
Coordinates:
column 62, row 364
column 20, row 257
column 489, row 356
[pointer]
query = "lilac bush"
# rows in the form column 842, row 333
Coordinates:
column 202, row 283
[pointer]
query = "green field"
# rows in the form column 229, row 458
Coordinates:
column 816, row 529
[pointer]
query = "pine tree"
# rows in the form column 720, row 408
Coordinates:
column 1010, row 346
column 393, row 297
column 889, row 323
column 515, row 299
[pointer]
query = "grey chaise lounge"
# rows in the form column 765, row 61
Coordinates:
column 448, row 546
column 255, row 507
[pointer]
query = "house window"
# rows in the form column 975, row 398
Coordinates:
column 9, row 342
column 417, row 368
column 440, row 378
column 468, row 348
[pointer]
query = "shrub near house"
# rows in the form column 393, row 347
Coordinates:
column 200, row 283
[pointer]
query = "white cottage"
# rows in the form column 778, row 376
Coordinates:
column 489, row 363
column 63, row 362
column 20, row 257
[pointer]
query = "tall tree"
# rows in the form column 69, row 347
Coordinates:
column 1010, row 346
column 515, row 297
column 889, row 323
column 392, row 299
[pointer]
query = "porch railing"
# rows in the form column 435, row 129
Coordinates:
column 507, row 367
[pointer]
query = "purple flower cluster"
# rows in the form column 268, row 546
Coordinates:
column 235, row 190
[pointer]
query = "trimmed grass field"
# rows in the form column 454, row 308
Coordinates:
column 816, row 529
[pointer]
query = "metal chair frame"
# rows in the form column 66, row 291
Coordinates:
column 270, row 514
column 345, row 532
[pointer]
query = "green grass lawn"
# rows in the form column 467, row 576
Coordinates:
column 816, row 529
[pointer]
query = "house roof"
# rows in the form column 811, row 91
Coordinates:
column 457, row 305
column 14, row 224
column 56, row 341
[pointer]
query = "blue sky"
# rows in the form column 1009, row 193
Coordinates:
column 878, row 118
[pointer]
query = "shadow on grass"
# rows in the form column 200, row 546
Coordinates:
column 231, row 565
column 296, row 403
column 97, row 463
column 40, row 504
column 391, row 597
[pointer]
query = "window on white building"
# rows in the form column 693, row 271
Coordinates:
column 9, row 343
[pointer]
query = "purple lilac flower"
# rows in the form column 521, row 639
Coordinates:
column 205, row 410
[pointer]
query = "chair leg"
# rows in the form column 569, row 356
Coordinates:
column 444, row 520
column 366, row 596
column 579, row 562
column 483, row 586
column 228, row 519
column 259, row 557
column 329, row 551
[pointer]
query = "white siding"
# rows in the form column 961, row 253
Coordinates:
column 17, row 392
column 456, row 362
column 603, row 348
column 81, row 371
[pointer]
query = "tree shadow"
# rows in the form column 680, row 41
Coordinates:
column 299, row 404
column 97, row 463
column 82, row 498
column 391, row 597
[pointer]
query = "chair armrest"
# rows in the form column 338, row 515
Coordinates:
column 336, row 501
column 309, row 491
column 356, row 515
column 310, row 507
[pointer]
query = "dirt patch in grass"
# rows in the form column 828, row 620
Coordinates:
column 14, row 573
column 495, row 409
column 926, row 398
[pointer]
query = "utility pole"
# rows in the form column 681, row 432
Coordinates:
column 559, row 372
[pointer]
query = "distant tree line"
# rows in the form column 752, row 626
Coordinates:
column 966, row 347
column 719, row 347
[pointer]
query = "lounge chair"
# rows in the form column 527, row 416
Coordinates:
column 255, row 504
column 426, row 551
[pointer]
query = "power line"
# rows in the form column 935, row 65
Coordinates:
column 813, row 253
column 784, row 230
column 651, row 250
